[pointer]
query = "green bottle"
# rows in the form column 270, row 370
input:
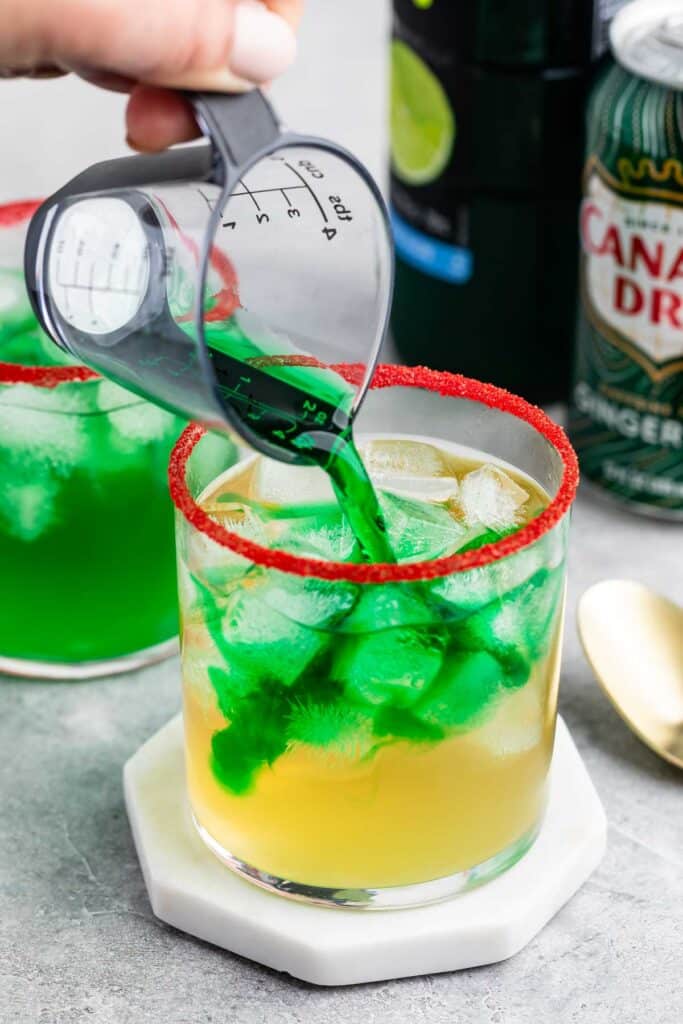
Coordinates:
column 487, row 103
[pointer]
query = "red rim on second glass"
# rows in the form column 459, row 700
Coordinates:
column 11, row 215
column 73, row 461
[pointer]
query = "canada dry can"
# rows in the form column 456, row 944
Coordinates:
column 626, row 417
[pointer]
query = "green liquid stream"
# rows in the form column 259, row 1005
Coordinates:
column 354, row 679
column 304, row 410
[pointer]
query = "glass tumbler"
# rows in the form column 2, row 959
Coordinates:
column 86, row 525
column 369, row 735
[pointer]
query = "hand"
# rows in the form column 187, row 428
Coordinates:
column 140, row 46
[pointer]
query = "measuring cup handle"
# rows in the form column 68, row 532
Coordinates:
column 240, row 125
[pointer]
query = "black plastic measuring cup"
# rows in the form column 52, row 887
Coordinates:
column 223, row 281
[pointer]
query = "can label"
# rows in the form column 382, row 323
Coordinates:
column 627, row 417
column 633, row 266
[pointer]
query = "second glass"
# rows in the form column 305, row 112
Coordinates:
column 86, row 530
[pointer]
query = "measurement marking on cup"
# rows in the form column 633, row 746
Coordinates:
column 256, row 410
column 58, row 271
column 306, row 185
column 264, row 218
column 143, row 269
column 97, row 288
column 209, row 202
column 250, row 194
column 261, row 191
column 91, row 279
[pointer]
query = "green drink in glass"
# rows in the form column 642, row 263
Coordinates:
column 86, row 533
column 376, row 734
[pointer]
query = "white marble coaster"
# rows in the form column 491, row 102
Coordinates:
column 191, row 890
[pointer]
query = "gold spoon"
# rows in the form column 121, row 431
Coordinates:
column 633, row 639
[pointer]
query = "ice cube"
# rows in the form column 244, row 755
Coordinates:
column 435, row 489
column 28, row 508
column 547, row 553
column 200, row 655
column 238, row 518
column 490, row 497
column 552, row 547
column 325, row 535
column 77, row 398
column 38, row 450
column 519, row 627
column 217, row 564
column 111, row 398
column 391, row 666
column 37, row 445
column 214, row 563
column 307, row 600
column 186, row 588
column 264, row 644
column 203, row 627
column 141, row 423
column 464, row 690
column 15, row 309
column 526, row 615
column 278, row 483
column 468, row 591
column 419, row 531
column 516, row 726
column 409, row 469
column 384, row 605
column 257, row 678
column 404, row 458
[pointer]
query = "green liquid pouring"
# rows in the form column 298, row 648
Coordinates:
column 338, row 668
column 304, row 409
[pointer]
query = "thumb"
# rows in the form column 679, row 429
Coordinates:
column 206, row 44
column 260, row 45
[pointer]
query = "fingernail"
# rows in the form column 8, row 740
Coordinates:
column 263, row 46
column 218, row 80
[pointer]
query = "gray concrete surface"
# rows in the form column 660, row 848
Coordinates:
column 78, row 942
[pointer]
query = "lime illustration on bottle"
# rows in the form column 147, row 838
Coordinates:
column 422, row 119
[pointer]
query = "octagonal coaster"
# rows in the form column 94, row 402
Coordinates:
column 193, row 891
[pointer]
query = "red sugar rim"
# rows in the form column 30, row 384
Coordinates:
column 15, row 213
column 447, row 384
column 12, row 214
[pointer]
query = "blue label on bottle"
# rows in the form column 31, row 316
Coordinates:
column 451, row 263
